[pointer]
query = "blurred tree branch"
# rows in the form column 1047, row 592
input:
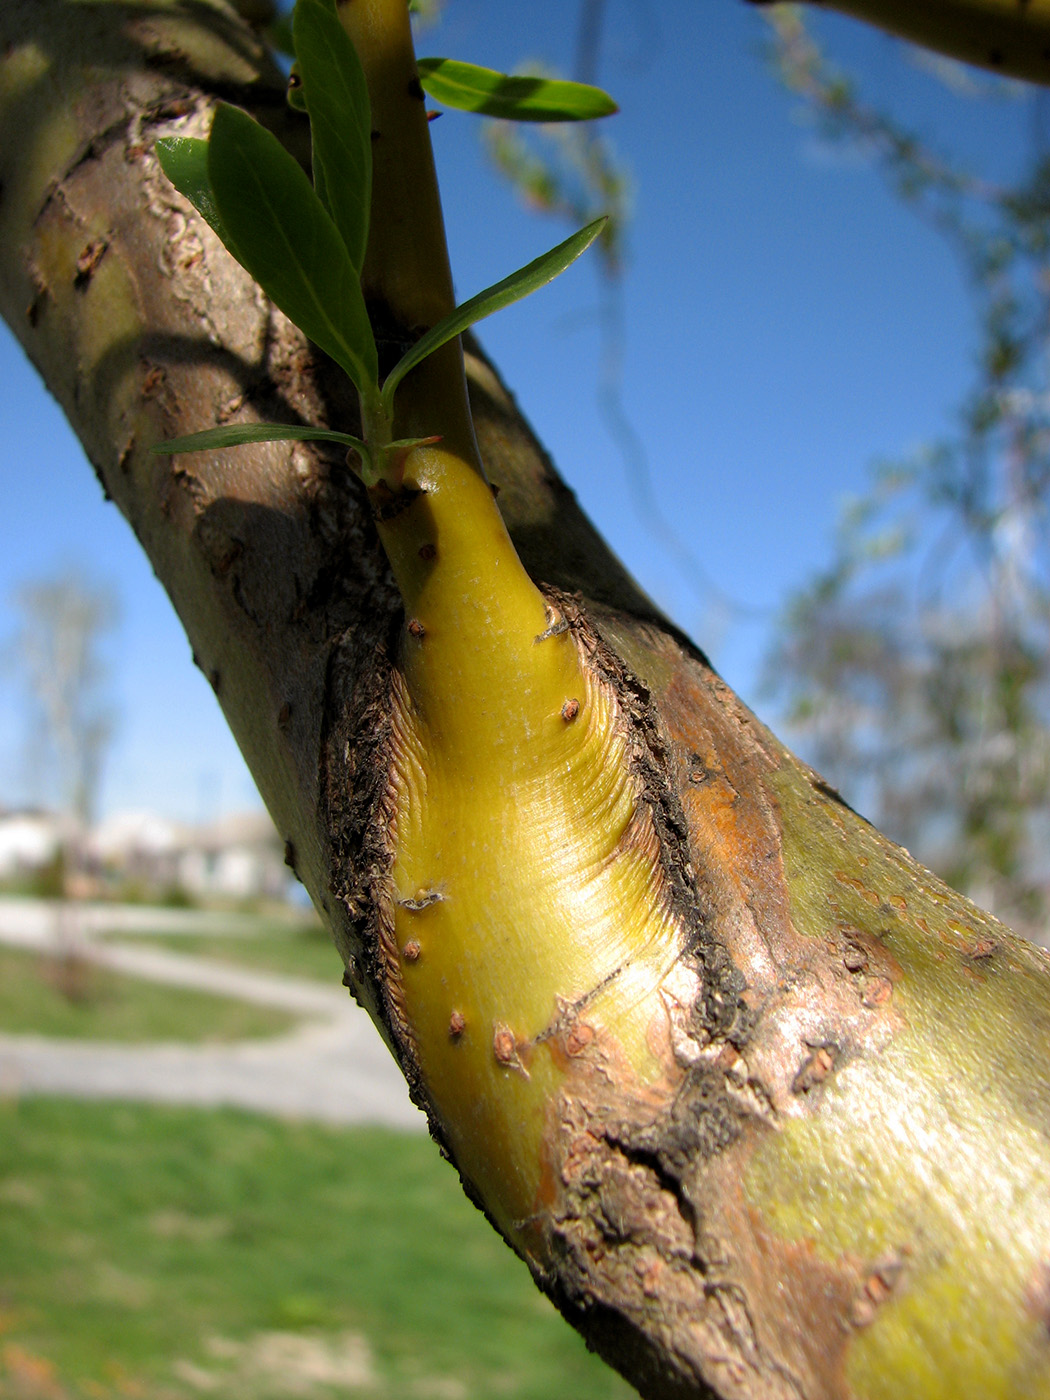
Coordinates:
column 917, row 666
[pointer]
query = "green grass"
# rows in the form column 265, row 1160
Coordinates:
column 169, row 1253
column 46, row 996
column 298, row 950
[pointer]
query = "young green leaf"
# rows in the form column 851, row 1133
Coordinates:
column 336, row 94
column 236, row 434
column 184, row 160
column 286, row 239
column 509, row 96
column 519, row 284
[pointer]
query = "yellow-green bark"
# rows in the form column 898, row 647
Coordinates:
column 522, row 885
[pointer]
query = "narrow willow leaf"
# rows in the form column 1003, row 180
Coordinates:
column 336, row 95
column 519, row 284
column 286, row 239
column 507, row 95
column 404, row 444
column 236, row 434
column 184, row 160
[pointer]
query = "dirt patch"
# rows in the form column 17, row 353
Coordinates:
column 198, row 1229
column 281, row 1363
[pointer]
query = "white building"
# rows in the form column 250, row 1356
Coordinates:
column 28, row 841
column 237, row 857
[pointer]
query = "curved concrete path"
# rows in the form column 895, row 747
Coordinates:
column 333, row 1067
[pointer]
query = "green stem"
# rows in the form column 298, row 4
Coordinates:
column 524, row 880
column 406, row 276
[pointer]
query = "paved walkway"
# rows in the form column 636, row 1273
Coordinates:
column 333, row 1067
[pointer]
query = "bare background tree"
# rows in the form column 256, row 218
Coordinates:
column 915, row 669
column 58, row 653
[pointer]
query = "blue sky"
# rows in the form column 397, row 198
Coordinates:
column 787, row 323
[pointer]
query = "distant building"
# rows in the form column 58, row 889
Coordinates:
column 29, row 840
column 237, row 857
column 137, row 846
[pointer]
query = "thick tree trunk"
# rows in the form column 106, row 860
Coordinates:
column 831, row 1176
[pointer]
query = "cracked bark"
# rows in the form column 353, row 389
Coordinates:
column 839, row 1185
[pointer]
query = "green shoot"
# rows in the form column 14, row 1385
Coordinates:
column 519, row 284
column 388, row 468
column 235, row 434
column 287, row 240
column 336, row 96
column 305, row 244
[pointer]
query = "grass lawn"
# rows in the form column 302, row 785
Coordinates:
column 43, row 996
column 298, row 950
column 171, row 1253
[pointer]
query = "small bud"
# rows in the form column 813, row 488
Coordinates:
column 456, row 1024
column 855, row 959
column 503, row 1045
column 579, row 1037
column 412, row 950
column 570, row 710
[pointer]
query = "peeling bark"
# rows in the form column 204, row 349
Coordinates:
column 838, row 1183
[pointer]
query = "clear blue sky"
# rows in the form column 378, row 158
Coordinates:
column 788, row 322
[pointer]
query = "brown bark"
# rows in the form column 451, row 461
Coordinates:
column 839, row 1184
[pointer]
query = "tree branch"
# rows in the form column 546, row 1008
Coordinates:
column 821, row 1169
